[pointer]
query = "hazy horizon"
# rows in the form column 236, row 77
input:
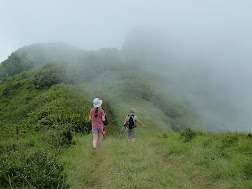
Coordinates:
column 94, row 25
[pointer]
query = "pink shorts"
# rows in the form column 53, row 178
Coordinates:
column 96, row 130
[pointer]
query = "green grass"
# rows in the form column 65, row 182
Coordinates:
column 207, row 158
column 119, row 164
column 163, row 161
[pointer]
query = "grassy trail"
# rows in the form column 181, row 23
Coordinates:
column 121, row 164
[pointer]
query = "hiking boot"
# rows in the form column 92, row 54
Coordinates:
column 94, row 148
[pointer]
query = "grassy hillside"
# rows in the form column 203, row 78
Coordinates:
column 16, row 96
column 45, row 139
column 37, row 125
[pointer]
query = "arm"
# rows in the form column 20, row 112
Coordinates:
column 103, row 115
column 90, row 118
column 103, row 118
column 138, row 121
column 124, row 124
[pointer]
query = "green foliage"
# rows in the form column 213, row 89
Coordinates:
column 208, row 160
column 9, row 147
column 32, row 161
column 164, row 135
column 228, row 140
column 32, row 110
column 59, row 137
column 187, row 134
column 67, row 135
column 16, row 95
column 248, row 169
column 44, row 118
column 35, row 55
column 13, row 65
column 37, row 169
column 114, row 116
column 61, row 104
column 50, row 74
column 133, row 84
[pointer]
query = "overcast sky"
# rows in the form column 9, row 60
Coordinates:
column 97, row 24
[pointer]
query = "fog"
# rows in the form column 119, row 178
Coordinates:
column 213, row 76
column 203, row 48
column 94, row 24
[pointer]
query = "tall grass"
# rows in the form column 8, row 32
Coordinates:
column 119, row 164
column 164, row 161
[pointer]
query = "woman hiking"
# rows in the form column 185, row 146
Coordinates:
column 97, row 117
column 130, row 124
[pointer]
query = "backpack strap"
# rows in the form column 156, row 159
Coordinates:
column 134, row 117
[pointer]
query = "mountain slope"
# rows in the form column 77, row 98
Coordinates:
column 44, row 123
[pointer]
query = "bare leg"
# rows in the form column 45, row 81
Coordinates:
column 133, row 139
column 99, row 139
column 95, row 138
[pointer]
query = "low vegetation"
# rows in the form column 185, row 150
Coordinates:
column 162, row 161
column 45, row 140
column 38, row 125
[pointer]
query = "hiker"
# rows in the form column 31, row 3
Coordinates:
column 130, row 125
column 97, row 117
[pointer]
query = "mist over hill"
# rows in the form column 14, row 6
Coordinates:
column 184, row 66
column 212, row 76
column 177, row 72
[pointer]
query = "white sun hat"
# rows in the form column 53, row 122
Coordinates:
column 97, row 102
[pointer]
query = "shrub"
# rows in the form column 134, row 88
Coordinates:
column 50, row 74
column 164, row 135
column 60, row 105
column 67, row 135
column 84, row 127
column 187, row 134
column 248, row 170
column 58, row 137
column 228, row 140
column 9, row 146
column 38, row 169
column 61, row 135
